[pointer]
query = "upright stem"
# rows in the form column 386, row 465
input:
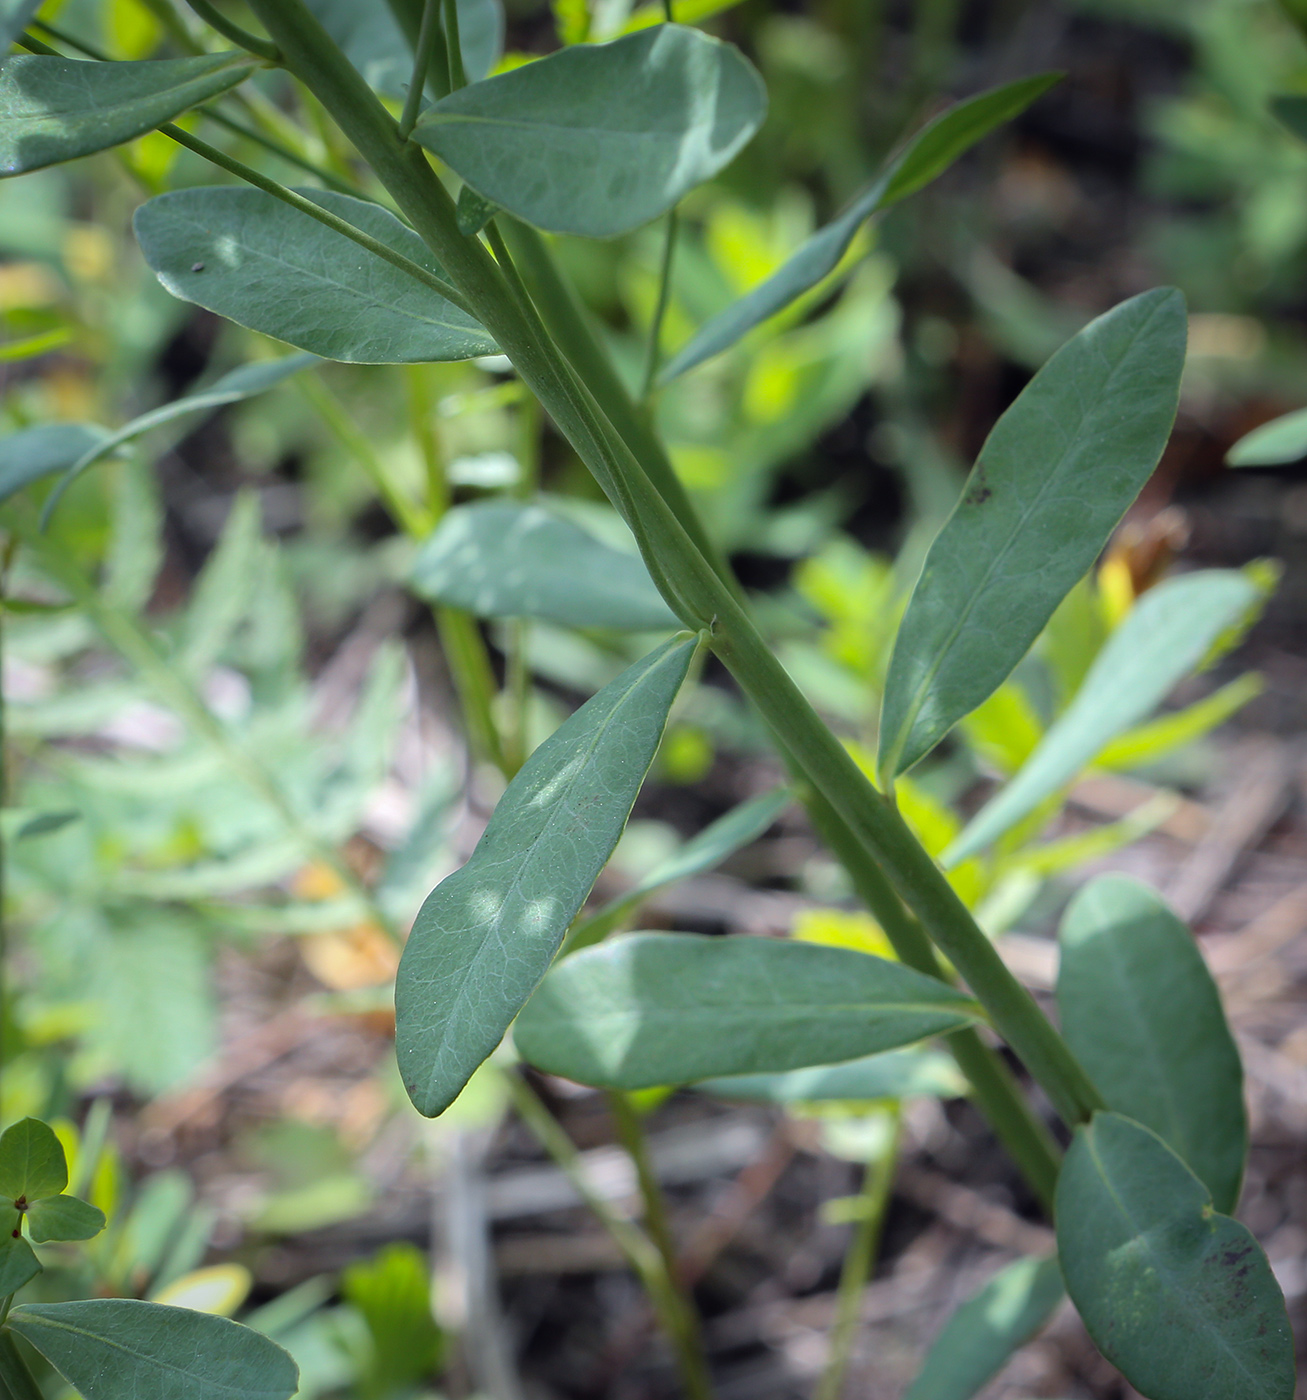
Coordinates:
column 654, row 351
column 423, row 51
column 215, row 19
column 859, row 1262
column 688, row 1338
column 454, row 45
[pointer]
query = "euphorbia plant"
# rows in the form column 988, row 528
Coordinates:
column 595, row 141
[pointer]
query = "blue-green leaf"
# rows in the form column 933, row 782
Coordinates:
column 1167, row 634
column 1050, row 485
column 514, row 559
column 666, row 1008
column 18, row 1262
column 1282, row 440
column 122, row 1349
column 32, row 1163
column 266, row 265
column 598, row 139
column 893, row 1074
column 63, row 1218
column 928, row 154
column 1141, row 1012
column 984, row 1332
column 31, row 453
column 55, row 109
column 14, row 18
column 1181, row 1299
column 486, row 935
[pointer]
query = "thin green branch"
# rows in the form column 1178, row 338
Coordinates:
column 215, row 19
column 653, row 354
column 454, row 47
column 422, row 55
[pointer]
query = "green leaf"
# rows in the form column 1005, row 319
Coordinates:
column 1165, row 635
column 28, row 455
column 14, row 18
column 1050, row 485
column 32, row 1164
column 472, row 212
column 54, row 109
column 63, row 1218
column 894, row 1074
column 485, row 936
column 980, row 1336
column 722, row 838
column 18, row 1262
column 267, row 266
column 668, row 1008
column 1182, row 1300
column 926, row 155
column 598, row 139
column 1142, row 1014
column 1283, row 439
column 513, row 559
column 1146, row 743
column 1291, row 110
column 393, row 1292
column 122, row 1349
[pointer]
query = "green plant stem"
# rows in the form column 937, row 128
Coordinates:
column 653, row 353
column 421, row 411
column 422, row 55
column 14, row 1375
column 174, row 24
column 859, row 1262
column 640, row 1252
column 687, row 581
column 688, row 1338
column 454, row 47
column 242, row 38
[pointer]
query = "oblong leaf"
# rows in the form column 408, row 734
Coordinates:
column 122, row 1349
column 893, row 1074
column 1181, row 1299
column 1050, row 485
column 517, row 559
column 1166, row 634
column 928, row 154
column 32, row 1162
column 55, row 109
column 1283, row 439
column 1142, row 1014
column 485, row 936
column 598, row 139
column 265, row 265
column 63, row 1218
column 18, row 1262
column 31, row 453
column 984, row 1332
column 669, row 1008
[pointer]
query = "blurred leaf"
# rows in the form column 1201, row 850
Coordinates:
column 1051, row 483
column 893, row 1074
column 1146, row 743
column 56, row 109
column 32, row 1164
column 63, row 1218
column 927, row 154
column 1182, row 1300
column 14, row 17
column 1141, row 1012
column 984, row 1332
column 486, row 935
column 375, row 45
column 1070, row 852
column 32, row 453
column 1283, row 439
column 668, row 1008
column 393, row 1292
column 512, row 559
column 1004, row 730
column 1291, row 109
column 267, row 266
column 220, row 1289
column 122, row 1349
column 739, row 827
column 1164, row 637
column 223, row 591
column 599, row 139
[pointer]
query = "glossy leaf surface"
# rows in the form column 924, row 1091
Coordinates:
column 32, row 1164
column 503, row 558
column 267, row 266
column 1167, row 634
column 931, row 151
column 55, row 109
column 1050, row 485
column 598, row 139
column 667, row 1008
column 894, row 1074
column 984, row 1332
column 1181, row 1299
column 1282, row 440
column 1142, row 1014
column 18, row 1262
column 31, row 453
column 63, row 1218
column 122, row 1349
column 485, row 936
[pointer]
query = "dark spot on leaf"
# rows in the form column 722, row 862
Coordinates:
column 17, row 1233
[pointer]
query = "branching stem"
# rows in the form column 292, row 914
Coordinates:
column 215, row 19
column 428, row 34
